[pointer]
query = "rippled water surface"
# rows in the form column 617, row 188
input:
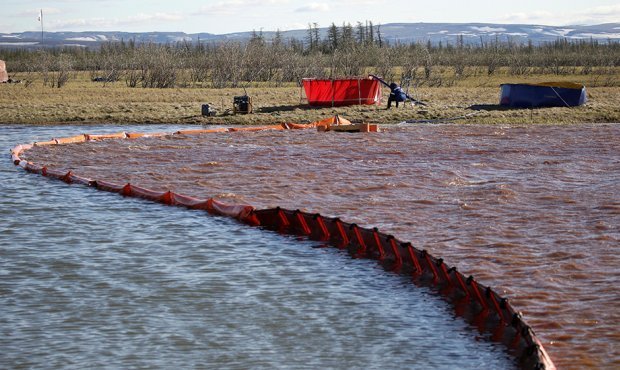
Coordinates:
column 89, row 279
column 532, row 211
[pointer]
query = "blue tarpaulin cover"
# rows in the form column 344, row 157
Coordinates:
column 546, row 94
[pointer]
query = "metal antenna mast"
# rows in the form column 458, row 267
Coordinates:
column 41, row 20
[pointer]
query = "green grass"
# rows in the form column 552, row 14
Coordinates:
column 83, row 101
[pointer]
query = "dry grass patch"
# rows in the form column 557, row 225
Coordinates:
column 475, row 97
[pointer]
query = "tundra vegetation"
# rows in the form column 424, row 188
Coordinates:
column 129, row 82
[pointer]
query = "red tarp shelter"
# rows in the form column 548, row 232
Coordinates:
column 342, row 91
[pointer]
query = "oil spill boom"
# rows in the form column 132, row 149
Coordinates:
column 478, row 304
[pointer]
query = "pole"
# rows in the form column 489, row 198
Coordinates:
column 41, row 19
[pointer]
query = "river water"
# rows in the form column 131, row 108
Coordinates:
column 532, row 211
column 89, row 279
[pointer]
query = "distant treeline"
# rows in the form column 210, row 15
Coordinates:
column 343, row 51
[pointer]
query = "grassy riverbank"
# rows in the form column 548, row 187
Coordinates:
column 475, row 97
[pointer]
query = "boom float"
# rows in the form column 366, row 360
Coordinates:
column 478, row 304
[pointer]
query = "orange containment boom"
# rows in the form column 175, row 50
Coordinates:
column 478, row 304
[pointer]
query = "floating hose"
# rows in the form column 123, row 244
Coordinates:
column 478, row 304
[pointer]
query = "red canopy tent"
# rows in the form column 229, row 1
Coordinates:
column 342, row 91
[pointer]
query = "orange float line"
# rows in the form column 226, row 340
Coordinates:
column 284, row 222
column 300, row 126
column 201, row 131
column 238, row 211
column 492, row 296
column 444, row 271
column 302, row 222
column 396, row 253
column 44, row 143
column 137, row 135
column 186, row 201
column 359, row 239
column 324, row 232
column 32, row 167
column 474, row 286
column 67, row 177
column 430, row 264
column 17, row 151
column 118, row 135
column 150, row 134
column 108, row 186
column 72, row 140
column 74, row 179
column 415, row 261
column 56, row 174
column 378, row 243
column 259, row 128
column 459, row 278
column 148, row 194
column 343, row 234
column 241, row 212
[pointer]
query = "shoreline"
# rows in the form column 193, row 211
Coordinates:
column 473, row 101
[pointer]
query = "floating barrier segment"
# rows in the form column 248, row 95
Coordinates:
column 478, row 304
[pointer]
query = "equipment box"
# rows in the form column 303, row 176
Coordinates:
column 207, row 110
column 242, row 104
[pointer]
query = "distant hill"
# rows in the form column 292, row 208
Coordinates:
column 392, row 32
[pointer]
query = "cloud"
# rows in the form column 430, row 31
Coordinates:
column 35, row 12
column 166, row 17
column 221, row 8
column 313, row 7
column 230, row 7
column 603, row 14
column 362, row 2
column 109, row 23
column 595, row 15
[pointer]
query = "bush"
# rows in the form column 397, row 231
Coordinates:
column 346, row 51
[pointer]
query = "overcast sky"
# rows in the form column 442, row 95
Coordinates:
column 227, row 16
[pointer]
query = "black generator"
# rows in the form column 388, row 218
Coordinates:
column 242, row 104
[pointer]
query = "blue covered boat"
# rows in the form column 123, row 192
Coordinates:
column 546, row 94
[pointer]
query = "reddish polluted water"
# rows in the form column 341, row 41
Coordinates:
column 532, row 211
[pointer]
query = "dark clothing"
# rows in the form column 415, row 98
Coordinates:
column 390, row 100
column 396, row 94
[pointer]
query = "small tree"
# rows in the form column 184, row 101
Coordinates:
column 55, row 70
column 333, row 37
